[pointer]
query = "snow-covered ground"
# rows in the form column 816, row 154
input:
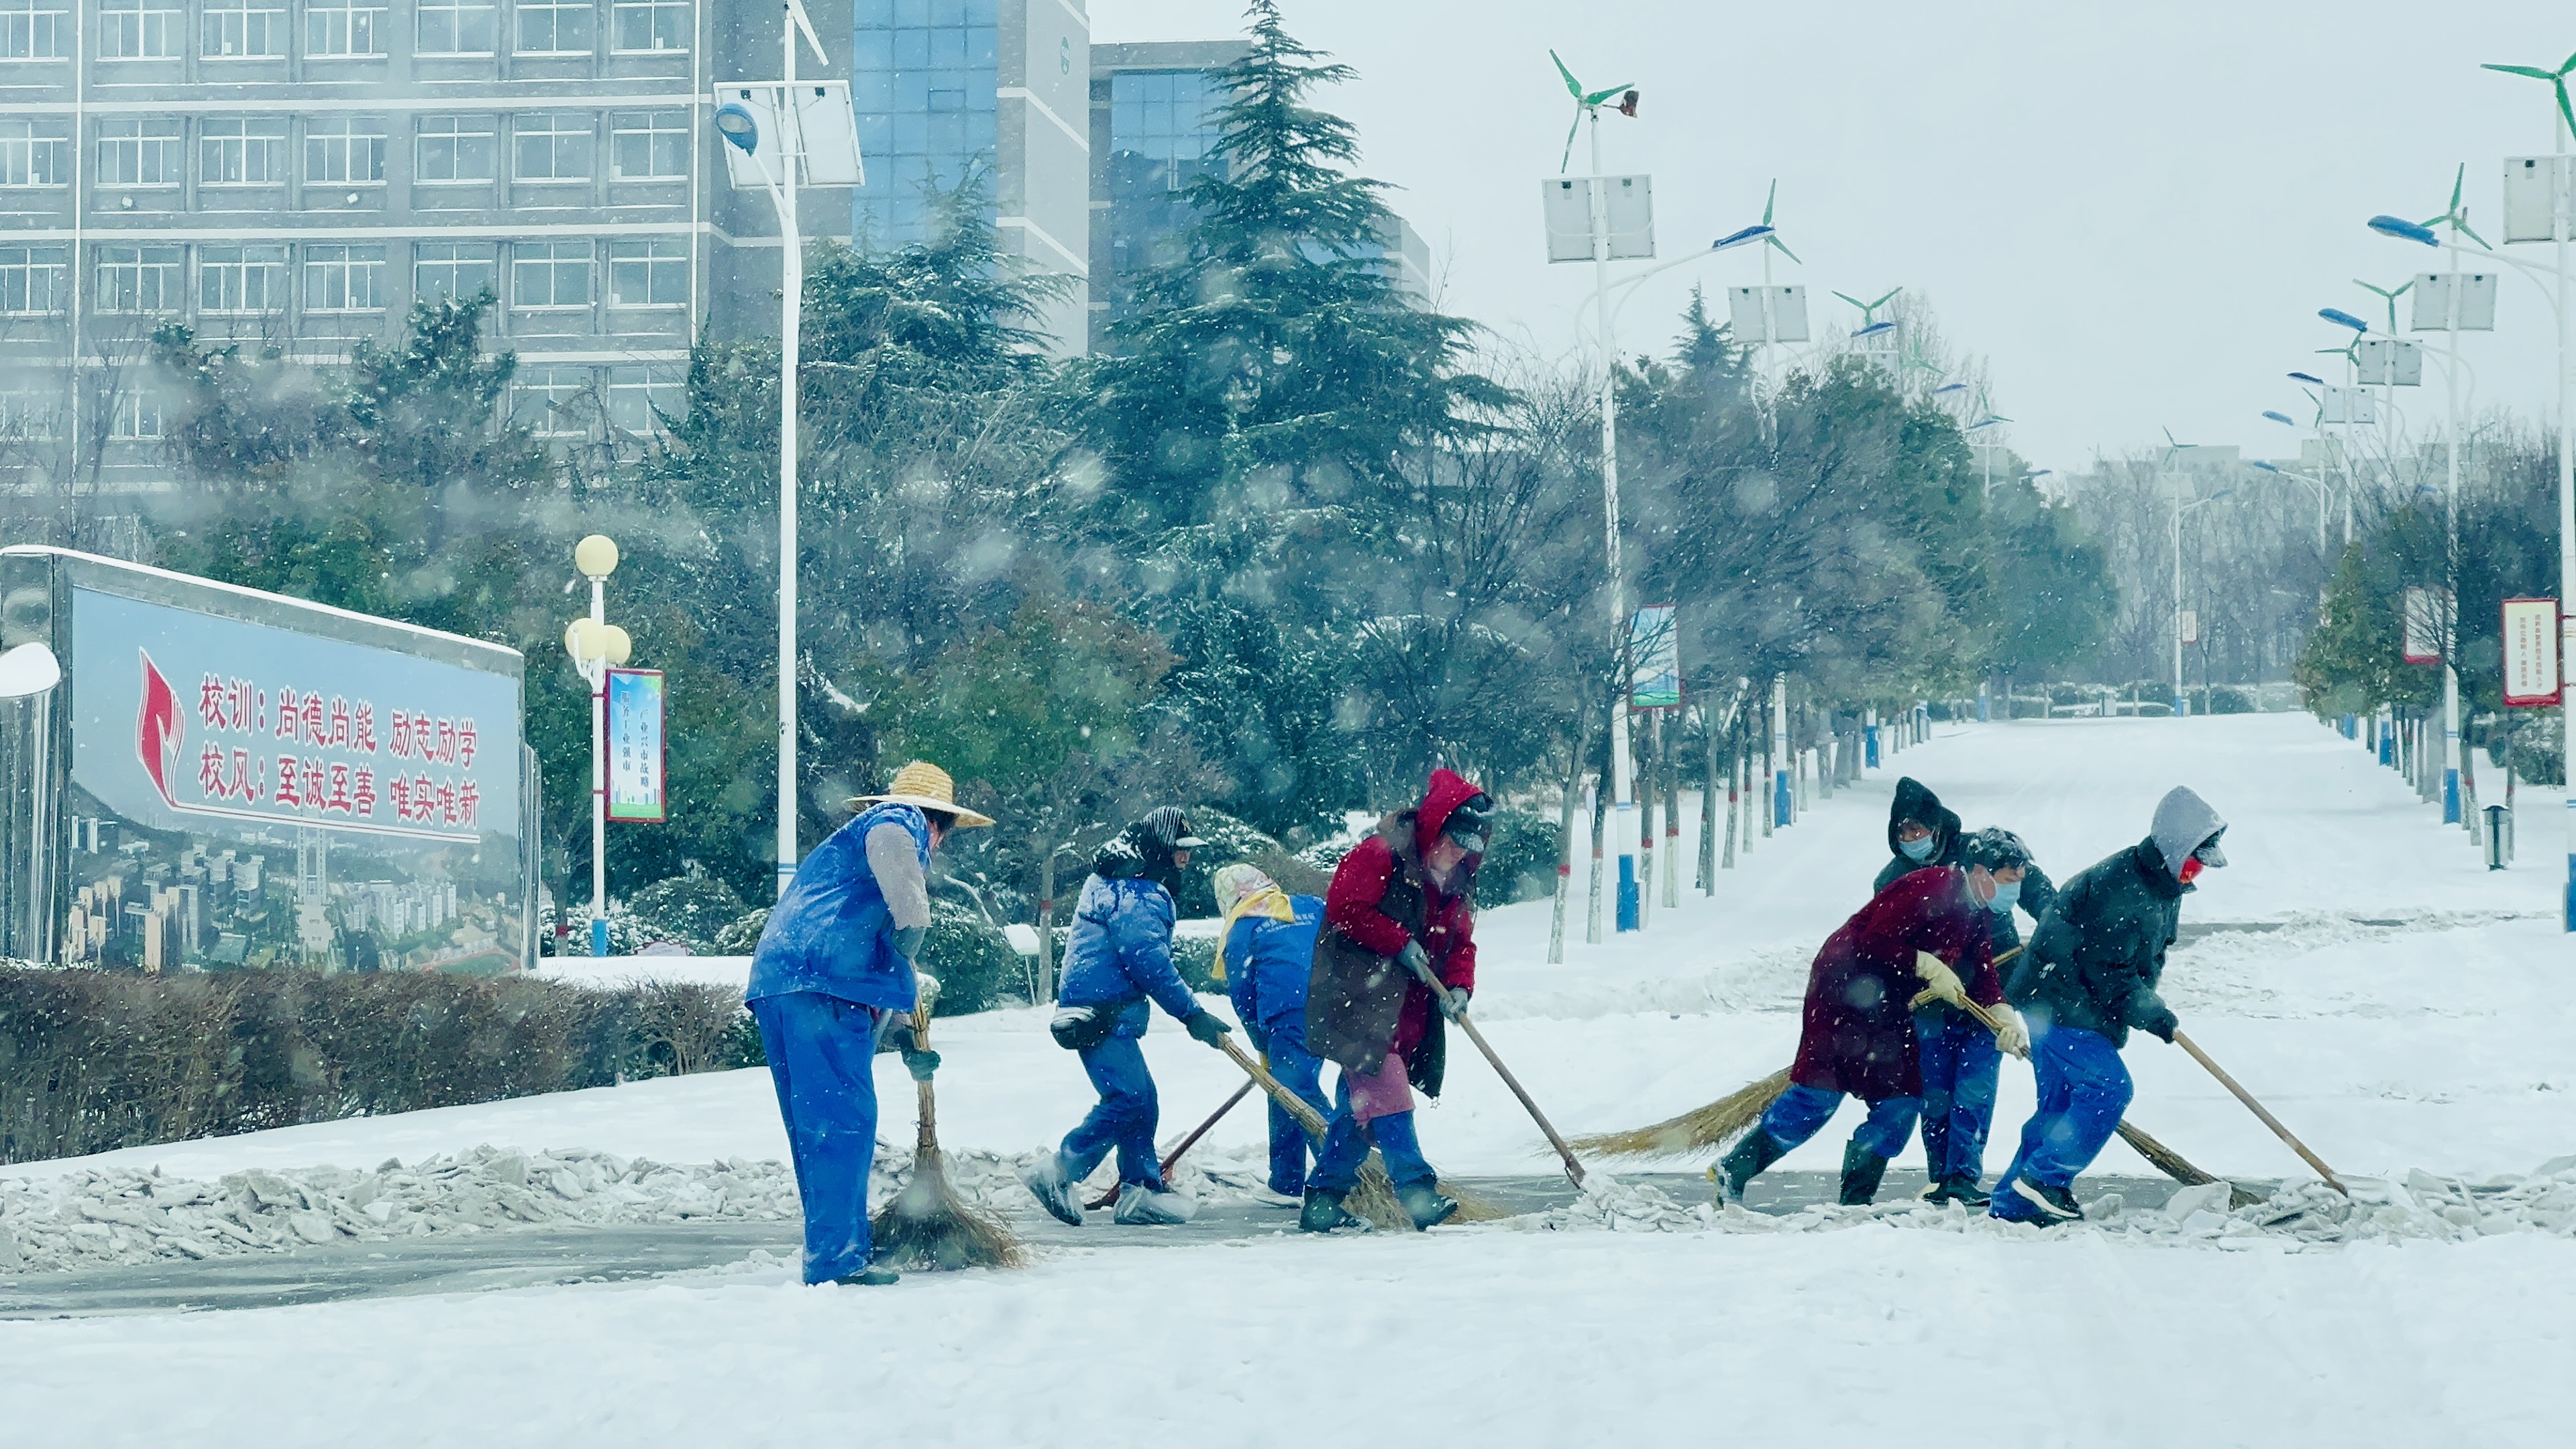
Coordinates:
column 2403, row 1013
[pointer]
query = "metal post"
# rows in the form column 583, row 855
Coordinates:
column 791, row 308
column 2566, row 500
column 1623, row 785
column 2452, row 814
column 1783, row 787
column 2181, row 706
column 597, row 669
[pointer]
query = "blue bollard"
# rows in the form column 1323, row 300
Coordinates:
column 1783, row 799
column 1627, row 893
column 1869, row 747
column 599, row 936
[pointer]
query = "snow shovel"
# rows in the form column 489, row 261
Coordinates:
column 1457, row 1013
column 1173, row 1156
column 2246, row 1097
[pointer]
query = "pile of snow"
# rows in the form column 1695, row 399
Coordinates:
column 2422, row 1207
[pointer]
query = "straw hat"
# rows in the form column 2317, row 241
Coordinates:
column 924, row 786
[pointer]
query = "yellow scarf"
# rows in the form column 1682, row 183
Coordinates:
column 1271, row 904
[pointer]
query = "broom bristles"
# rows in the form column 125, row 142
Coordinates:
column 928, row 1226
column 1693, row 1131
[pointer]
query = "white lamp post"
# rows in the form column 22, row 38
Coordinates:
column 817, row 140
column 2182, row 705
column 597, row 646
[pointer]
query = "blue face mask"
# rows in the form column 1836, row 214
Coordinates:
column 1918, row 851
column 2007, row 896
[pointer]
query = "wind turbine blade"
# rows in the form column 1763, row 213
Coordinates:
column 2473, row 236
column 1767, row 201
column 1855, row 301
column 1568, row 158
column 796, row 8
column 1774, row 239
column 2459, row 179
column 1573, row 87
column 1597, row 97
column 2570, row 65
column 2564, row 108
column 1891, row 296
column 2521, row 70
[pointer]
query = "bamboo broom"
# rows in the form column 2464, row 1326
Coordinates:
column 928, row 1225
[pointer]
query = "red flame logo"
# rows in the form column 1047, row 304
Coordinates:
column 157, row 730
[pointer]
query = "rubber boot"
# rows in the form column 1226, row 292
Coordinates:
column 1756, row 1152
column 870, row 1277
column 1965, row 1192
column 1424, row 1204
column 1322, row 1212
column 1862, row 1170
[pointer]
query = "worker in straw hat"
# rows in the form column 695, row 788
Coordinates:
column 832, row 985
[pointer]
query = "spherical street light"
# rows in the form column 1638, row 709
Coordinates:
column 595, row 556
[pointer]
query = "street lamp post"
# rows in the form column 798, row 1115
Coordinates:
column 2182, row 705
column 597, row 646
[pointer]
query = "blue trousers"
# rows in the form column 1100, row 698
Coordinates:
column 822, row 1057
column 1960, row 1061
column 1124, row 1119
column 1347, row 1142
column 1795, row 1115
column 2083, row 1089
column 1301, row 1072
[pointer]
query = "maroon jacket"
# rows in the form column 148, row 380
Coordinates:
column 1359, row 1004
column 1858, row 1033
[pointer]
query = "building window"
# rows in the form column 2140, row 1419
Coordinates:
column 238, row 29
column 453, row 148
column 649, row 273
column 134, row 412
column 343, row 28
column 241, row 281
column 639, row 398
column 138, row 279
column 551, row 148
column 241, row 153
column 344, row 279
column 550, row 275
column 140, row 29
column 457, row 27
column 344, row 152
column 27, row 414
column 554, row 27
column 138, row 153
column 33, row 30
column 646, row 145
column 550, row 400
column 651, row 24
column 452, row 270
column 924, row 79
column 31, row 157
column 31, row 281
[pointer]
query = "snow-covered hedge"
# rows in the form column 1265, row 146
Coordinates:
column 94, row 1060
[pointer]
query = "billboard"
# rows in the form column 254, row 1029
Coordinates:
column 2531, row 666
column 254, row 781
column 2425, row 612
column 635, row 752
column 1654, row 651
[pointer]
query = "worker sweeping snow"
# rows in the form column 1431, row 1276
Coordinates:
column 1857, row 1037
column 1119, row 955
column 1403, row 898
column 2089, row 976
column 1956, row 1052
column 1265, row 956
column 831, row 982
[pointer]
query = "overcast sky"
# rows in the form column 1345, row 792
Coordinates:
column 2132, row 211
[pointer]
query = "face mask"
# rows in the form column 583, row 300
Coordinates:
column 2007, row 896
column 1918, row 851
column 2191, row 870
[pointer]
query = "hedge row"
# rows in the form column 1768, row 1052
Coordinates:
column 92, row 1060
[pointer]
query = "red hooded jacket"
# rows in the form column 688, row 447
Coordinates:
column 1857, row 1035
column 1354, row 908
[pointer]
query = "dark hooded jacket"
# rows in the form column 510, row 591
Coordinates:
column 1915, row 801
column 2096, row 959
column 1361, row 1003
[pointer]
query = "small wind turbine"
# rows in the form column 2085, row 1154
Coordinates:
column 1587, row 106
column 2458, row 215
column 1869, row 310
column 2557, row 80
column 1769, row 201
column 2388, row 296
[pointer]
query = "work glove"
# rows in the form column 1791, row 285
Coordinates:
column 1413, row 957
column 2011, row 1037
column 1207, row 1028
column 922, row 1062
column 907, row 939
column 1940, row 979
column 1454, row 1004
column 2162, row 1023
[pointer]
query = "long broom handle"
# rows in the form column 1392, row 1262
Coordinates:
column 1173, row 1157
column 1458, row 1014
column 1298, row 1107
column 2257, row 1108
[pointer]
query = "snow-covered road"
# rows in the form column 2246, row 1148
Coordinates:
column 2403, row 1010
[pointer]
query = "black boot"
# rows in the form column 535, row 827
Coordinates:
column 1965, row 1192
column 1756, row 1152
column 1424, row 1204
column 1322, row 1212
column 1862, row 1170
